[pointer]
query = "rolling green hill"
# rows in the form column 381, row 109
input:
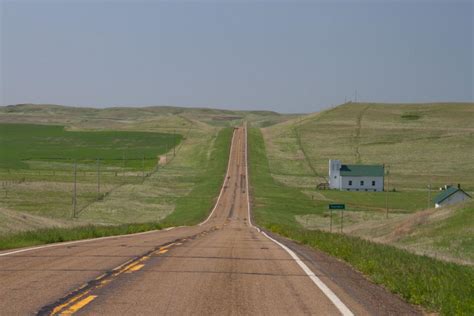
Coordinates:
column 420, row 144
column 134, row 118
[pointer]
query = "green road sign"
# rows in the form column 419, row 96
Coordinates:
column 337, row 206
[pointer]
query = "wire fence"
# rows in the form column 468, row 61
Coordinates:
column 64, row 187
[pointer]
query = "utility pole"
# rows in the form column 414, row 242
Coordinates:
column 143, row 167
column 174, row 143
column 386, row 193
column 356, row 96
column 98, row 178
column 74, row 197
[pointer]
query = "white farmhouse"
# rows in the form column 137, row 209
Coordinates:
column 450, row 195
column 356, row 177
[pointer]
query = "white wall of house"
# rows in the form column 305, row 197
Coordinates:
column 349, row 183
column 457, row 197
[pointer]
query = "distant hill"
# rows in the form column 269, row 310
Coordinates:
column 77, row 116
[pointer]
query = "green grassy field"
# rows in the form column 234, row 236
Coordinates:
column 436, row 285
column 36, row 165
column 181, row 193
column 420, row 144
column 25, row 143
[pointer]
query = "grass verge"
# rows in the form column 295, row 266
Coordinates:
column 194, row 207
column 436, row 285
column 54, row 235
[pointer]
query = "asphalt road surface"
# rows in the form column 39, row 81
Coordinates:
column 223, row 266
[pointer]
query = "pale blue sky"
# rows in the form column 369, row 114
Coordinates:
column 285, row 56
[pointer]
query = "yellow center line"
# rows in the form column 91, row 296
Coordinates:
column 167, row 246
column 72, row 300
column 74, row 308
column 135, row 268
column 101, row 276
column 129, row 266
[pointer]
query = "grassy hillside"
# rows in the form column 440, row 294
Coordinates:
column 420, row 144
column 436, row 285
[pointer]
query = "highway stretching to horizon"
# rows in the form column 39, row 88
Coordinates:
column 225, row 265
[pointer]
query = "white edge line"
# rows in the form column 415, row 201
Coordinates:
column 81, row 241
column 320, row 284
column 224, row 183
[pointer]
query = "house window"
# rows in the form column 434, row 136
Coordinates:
column 361, row 182
column 350, row 182
column 373, row 183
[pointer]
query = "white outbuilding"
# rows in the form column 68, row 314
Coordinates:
column 355, row 177
column 450, row 195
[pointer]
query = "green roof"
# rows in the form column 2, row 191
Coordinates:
column 447, row 193
column 362, row 170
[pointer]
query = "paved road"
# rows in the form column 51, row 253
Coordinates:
column 223, row 266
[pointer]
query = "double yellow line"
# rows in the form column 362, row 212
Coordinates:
column 80, row 300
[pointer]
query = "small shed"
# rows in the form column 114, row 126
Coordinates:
column 450, row 195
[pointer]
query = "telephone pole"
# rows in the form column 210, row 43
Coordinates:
column 386, row 193
column 143, row 168
column 98, row 178
column 74, row 197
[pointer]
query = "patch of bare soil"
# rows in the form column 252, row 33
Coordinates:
column 409, row 224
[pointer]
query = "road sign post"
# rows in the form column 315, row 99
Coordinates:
column 341, row 207
column 330, row 221
column 342, row 220
column 337, row 206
